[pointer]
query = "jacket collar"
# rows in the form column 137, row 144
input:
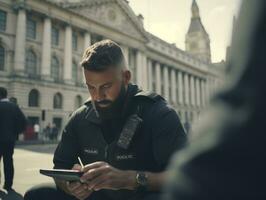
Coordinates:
column 91, row 113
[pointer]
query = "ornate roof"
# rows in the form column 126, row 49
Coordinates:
column 113, row 13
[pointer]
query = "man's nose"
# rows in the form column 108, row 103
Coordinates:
column 99, row 95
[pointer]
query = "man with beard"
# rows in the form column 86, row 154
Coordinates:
column 123, row 135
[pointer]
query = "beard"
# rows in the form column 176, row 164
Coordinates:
column 108, row 109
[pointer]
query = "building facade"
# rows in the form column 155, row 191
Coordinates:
column 42, row 42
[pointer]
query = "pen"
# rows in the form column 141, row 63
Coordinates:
column 80, row 162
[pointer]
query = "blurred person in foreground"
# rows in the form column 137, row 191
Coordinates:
column 12, row 123
column 124, row 135
column 227, row 159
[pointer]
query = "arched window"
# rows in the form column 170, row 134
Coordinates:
column 2, row 58
column 31, row 63
column 78, row 101
column 58, row 101
column 55, row 73
column 33, row 98
column 75, row 72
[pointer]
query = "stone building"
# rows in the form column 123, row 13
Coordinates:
column 42, row 41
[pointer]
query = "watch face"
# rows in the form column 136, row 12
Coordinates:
column 142, row 179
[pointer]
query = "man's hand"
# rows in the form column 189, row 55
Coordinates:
column 77, row 189
column 101, row 175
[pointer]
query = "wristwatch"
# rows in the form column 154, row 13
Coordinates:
column 142, row 181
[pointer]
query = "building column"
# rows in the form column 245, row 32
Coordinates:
column 203, row 94
column 207, row 90
column 158, row 78
column 173, row 85
column 150, row 78
column 46, row 49
column 68, row 55
column 125, row 53
column 186, row 89
column 87, row 43
column 144, row 72
column 87, row 40
column 19, row 60
column 180, row 87
column 192, row 90
column 139, row 69
column 198, row 92
column 166, row 82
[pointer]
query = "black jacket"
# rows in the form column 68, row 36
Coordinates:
column 12, row 121
column 160, row 134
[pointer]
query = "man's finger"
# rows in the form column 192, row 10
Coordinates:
column 77, row 167
column 93, row 166
column 97, row 181
column 73, row 186
column 93, row 173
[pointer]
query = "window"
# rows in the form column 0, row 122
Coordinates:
column 31, row 63
column 58, row 101
column 33, row 98
column 75, row 72
column 2, row 20
column 55, row 36
column 75, row 41
column 2, row 58
column 78, row 101
column 31, row 29
column 55, row 73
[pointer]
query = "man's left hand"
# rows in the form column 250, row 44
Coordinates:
column 101, row 175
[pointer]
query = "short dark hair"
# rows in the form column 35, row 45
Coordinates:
column 102, row 55
column 3, row 92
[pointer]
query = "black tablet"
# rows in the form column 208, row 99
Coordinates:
column 62, row 174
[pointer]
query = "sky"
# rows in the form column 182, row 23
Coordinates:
column 170, row 19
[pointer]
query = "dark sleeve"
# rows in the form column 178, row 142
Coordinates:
column 168, row 133
column 20, row 119
column 66, row 153
column 227, row 158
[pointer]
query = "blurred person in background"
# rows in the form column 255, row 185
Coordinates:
column 227, row 157
column 12, row 123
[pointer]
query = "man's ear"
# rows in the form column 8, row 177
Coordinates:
column 127, row 77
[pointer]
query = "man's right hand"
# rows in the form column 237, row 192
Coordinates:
column 77, row 189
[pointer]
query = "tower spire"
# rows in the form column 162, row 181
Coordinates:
column 197, row 38
column 195, row 10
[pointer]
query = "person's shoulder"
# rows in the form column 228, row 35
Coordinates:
column 148, row 97
column 154, row 102
column 82, row 110
column 9, row 104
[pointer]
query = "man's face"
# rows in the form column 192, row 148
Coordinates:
column 105, row 86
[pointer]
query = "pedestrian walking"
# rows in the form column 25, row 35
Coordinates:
column 36, row 128
column 12, row 123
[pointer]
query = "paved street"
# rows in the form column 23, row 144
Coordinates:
column 28, row 160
